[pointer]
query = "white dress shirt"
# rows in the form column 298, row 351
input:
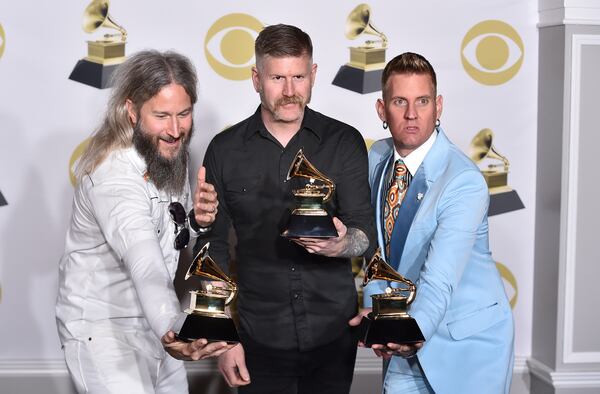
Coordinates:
column 414, row 159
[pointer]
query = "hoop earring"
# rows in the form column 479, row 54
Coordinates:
column 437, row 123
column 385, row 125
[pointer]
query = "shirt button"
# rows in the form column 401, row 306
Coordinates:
column 296, row 296
column 293, row 269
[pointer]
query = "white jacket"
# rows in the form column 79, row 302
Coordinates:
column 119, row 262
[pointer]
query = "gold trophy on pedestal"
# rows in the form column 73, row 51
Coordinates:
column 104, row 55
column 309, row 218
column 502, row 197
column 389, row 322
column 363, row 73
column 207, row 317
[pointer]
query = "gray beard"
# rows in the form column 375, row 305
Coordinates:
column 168, row 175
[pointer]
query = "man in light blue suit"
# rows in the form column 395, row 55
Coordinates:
column 439, row 240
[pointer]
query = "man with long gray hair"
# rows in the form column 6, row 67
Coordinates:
column 132, row 214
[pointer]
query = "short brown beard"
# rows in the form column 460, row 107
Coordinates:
column 168, row 175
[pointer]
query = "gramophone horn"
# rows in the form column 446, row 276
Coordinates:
column 378, row 269
column 358, row 23
column 303, row 168
column 96, row 16
column 204, row 266
column 481, row 147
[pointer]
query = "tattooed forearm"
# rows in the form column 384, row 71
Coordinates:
column 356, row 243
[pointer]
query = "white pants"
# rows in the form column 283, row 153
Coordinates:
column 124, row 362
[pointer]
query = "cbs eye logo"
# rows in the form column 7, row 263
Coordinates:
column 2, row 40
column 492, row 52
column 77, row 152
column 229, row 45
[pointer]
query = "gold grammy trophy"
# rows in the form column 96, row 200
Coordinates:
column 389, row 321
column 502, row 197
column 207, row 317
column 309, row 218
column 104, row 55
column 363, row 73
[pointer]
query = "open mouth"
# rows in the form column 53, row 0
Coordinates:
column 171, row 141
column 170, row 145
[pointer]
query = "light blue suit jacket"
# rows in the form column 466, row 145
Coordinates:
column 440, row 242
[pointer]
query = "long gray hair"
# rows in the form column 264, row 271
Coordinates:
column 138, row 79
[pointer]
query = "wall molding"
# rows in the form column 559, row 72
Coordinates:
column 520, row 367
column 33, row 368
column 564, row 379
column 570, row 209
column 29, row 368
column 364, row 365
column 568, row 12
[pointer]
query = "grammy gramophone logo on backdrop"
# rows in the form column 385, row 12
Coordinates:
column 362, row 74
column 105, row 54
column 502, row 197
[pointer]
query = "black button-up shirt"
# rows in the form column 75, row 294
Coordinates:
column 288, row 298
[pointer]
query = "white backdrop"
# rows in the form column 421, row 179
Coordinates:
column 44, row 116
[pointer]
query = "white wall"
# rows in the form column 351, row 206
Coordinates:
column 44, row 116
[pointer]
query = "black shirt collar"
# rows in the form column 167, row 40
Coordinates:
column 309, row 122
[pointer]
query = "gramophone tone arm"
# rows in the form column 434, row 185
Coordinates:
column 233, row 290
column 122, row 34
column 222, row 288
column 327, row 184
column 383, row 41
column 330, row 188
column 411, row 289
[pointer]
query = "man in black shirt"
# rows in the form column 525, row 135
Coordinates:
column 295, row 298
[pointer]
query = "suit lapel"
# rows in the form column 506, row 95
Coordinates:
column 410, row 205
column 433, row 165
column 377, row 196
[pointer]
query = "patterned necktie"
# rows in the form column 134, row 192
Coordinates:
column 395, row 195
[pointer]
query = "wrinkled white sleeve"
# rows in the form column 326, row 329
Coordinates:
column 122, row 209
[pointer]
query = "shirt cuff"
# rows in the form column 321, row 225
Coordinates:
column 195, row 226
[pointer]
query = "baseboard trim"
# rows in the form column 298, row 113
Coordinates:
column 520, row 366
column 33, row 368
column 365, row 365
column 563, row 379
column 368, row 365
